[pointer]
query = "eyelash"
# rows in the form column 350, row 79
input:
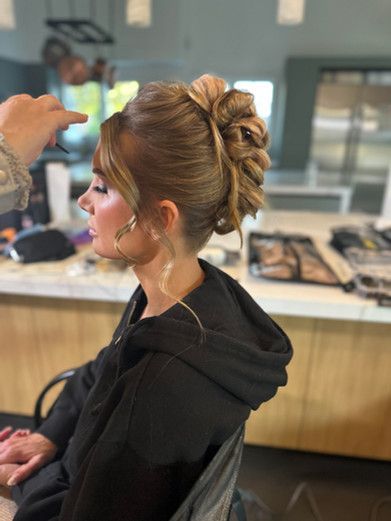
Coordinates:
column 101, row 189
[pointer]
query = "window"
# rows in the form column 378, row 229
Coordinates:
column 117, row 97
column 85, row 98
column 263, row 96
column 99, row 103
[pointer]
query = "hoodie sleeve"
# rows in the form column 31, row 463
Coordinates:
column 117, row 479
column 61, row 422
column 15, row 179
column 41, row 495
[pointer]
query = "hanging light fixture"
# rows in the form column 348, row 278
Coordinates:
column 290, row 12
column 139, row 13
column 7, row 14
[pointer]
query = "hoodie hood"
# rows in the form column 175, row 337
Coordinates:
column 242, row 349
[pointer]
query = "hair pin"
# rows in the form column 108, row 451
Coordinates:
column 62, row 148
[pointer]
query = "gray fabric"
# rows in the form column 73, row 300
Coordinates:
column 7, row 506
column 211, row 497
column 7, row 187
column 14, row 192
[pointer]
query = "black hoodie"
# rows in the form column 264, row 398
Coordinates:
column 137, row 426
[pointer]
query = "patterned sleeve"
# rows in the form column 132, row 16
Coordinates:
column 15, row 180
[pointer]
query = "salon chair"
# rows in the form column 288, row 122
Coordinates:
column 38, row 417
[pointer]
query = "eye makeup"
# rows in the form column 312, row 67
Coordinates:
column 101, row 188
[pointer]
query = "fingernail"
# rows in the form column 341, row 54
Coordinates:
column 12, row 481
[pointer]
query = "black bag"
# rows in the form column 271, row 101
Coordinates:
column 369, row 255
column 48, row 245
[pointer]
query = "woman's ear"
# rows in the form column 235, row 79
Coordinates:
column 169, row 214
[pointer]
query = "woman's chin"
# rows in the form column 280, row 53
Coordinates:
column 106, row 253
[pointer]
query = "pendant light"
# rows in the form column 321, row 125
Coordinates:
column 290, row 12
column 139, row 13
column 7, row 14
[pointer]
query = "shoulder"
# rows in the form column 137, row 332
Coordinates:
column 220, row 289
column 177, row 412
column 223, row 305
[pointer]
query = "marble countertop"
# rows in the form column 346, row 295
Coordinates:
column 64, row 279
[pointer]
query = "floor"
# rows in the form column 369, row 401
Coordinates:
column 338, row 488
column 344, row 489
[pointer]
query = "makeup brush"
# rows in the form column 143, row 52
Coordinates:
column 62, row 148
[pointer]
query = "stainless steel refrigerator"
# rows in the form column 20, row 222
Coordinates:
column 351, row 134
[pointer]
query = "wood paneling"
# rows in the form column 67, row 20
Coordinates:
column 338, row 397
column 41, row 337
column 278, row 422
column 348, row 403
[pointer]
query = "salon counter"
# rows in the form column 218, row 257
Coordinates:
column 65, row 280
column 338, row 399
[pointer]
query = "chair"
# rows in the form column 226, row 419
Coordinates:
column 38, row 419
column 213, row 497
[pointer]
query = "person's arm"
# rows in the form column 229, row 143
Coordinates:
column 35, row 450
column 57, row 429
column 42, row 496
column 27, row 125
column 15, row 180
column 61, row 421
column 151, row 451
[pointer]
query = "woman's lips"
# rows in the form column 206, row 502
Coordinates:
column 91, row 231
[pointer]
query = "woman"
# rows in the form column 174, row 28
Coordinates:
column 193, row 353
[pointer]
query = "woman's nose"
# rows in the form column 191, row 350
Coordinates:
column 84, row 203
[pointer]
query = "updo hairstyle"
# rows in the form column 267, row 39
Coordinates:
column 201, row 146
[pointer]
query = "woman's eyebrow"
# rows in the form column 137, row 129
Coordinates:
column 98, row 171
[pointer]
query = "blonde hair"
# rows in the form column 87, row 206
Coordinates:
column 201, row 146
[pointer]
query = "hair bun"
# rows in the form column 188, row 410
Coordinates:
column 234, row 114
column 206, row 90
column 241, row 140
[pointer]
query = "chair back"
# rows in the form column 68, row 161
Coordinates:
column 210, row 498
column 38, row 416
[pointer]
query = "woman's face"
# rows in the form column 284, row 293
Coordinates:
column 108, row 212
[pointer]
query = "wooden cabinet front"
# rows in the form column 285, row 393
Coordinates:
column 338, row 397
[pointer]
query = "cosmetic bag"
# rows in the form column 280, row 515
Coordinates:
column 47, row 245
column 289, row 258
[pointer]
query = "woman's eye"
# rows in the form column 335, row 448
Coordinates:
column 102, row 189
